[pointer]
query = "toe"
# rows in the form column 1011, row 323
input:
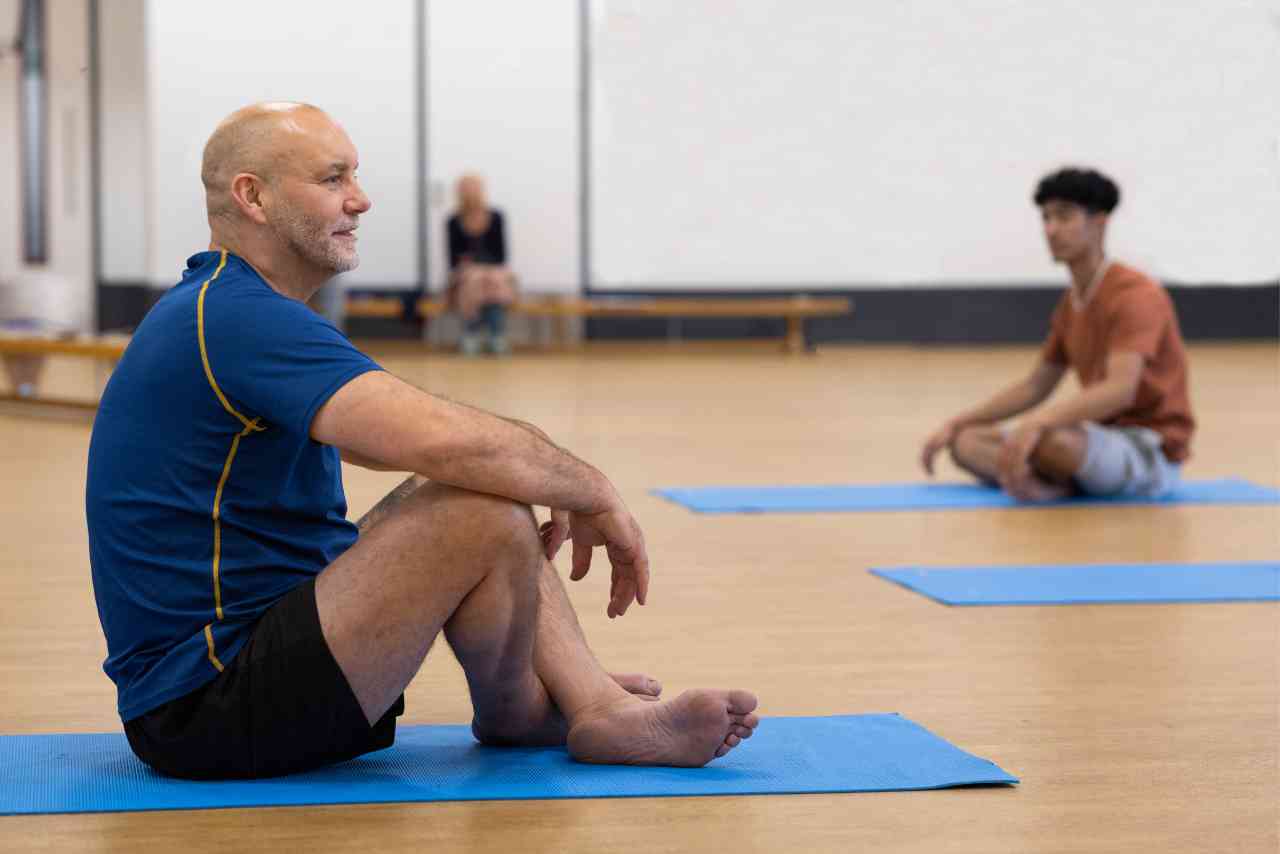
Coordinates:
column 732, row 740
column 742, row 702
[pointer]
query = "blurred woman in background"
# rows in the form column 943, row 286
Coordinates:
column 480, row 284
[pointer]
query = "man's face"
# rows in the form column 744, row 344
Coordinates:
column 1070, row 230
column 315, row 199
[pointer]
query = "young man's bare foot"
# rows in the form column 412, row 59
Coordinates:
column 1038, row 491
column 689, row 731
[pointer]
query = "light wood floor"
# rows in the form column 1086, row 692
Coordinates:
column 1133, row 728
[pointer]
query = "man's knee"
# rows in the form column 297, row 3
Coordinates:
column 481, row 521
column 969, row 444
column 1060, row 452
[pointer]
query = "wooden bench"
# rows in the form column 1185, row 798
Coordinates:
column 795, row 309
column 105, row 351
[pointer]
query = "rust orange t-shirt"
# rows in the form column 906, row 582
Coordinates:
column 1129, row 312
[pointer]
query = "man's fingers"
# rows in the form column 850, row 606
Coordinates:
column 581, row 560
column 555, row 532
column 642, row 578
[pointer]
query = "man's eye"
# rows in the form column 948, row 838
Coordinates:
column 333, row 179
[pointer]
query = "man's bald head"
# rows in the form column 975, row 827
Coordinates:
column 254, row 139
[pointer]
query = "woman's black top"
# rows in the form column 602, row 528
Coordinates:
column 487, row 248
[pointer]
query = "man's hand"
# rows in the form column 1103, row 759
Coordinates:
column 943, row 438
column 1015, row 474
column 554, row 533
column 617, row 531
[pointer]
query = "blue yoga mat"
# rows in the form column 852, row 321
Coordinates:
column 1074, row 585
column 851, row 753
column 933, row 496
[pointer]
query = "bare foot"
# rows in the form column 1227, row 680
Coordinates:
column 638, row 684
column 1037, row 491
column 530, row 718
column 689, row 731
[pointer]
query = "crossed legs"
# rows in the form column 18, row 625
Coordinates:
column 471, row 565
column 1055, row 460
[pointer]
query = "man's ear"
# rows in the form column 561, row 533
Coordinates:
column 246, row 191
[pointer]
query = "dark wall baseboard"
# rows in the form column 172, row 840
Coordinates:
column 122, row 304
column 952, row 315
column 968, row 315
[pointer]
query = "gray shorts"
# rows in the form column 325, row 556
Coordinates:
column 1126, row 461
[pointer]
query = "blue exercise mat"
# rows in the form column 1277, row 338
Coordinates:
column 853, row 753
column 1074, row 585
column 933, row 496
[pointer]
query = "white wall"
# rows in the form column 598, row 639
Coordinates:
column 829, row 142
column 10, row 166
column 124, row 141
column 355, row 62
column 503, row 101
column 67, row 295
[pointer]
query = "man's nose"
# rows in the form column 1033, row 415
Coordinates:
column 359, row 202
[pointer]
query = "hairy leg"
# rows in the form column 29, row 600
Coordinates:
column 472, row 566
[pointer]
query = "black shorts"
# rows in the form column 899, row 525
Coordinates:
column 281, row 706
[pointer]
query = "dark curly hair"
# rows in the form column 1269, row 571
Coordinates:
column 1087, row 188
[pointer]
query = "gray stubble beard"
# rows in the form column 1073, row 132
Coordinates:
column 312, row 240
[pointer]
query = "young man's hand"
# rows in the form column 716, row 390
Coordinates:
column 942, row 438
column 1016, row 475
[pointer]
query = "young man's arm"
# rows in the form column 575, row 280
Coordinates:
column 1099, row 402
column 380, row 419
column 1012, row 400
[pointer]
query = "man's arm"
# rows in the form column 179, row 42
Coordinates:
column 1017, row 398
column 1012, row 400
column 1101, row 401
column 1098, row 402
column 380, row 420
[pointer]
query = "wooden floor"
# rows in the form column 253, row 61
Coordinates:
column 1134, row 728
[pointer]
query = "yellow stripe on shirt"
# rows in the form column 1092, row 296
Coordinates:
column 204, row 350
column 250, row 426
column 213, row 657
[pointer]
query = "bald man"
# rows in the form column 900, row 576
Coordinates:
column 251, row 630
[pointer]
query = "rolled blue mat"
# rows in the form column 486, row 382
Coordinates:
column 849, row 753
column 934, row 496
column 1092, row 583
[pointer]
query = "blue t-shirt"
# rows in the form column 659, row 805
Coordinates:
column 207, row 499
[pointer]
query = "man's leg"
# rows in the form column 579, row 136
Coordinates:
column 1055, row 460
column 471, row 565
column 977, row 451
column 1059, row 454
column 640, row 684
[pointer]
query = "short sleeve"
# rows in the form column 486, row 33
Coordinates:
column 1137, row 322
column 274, row 358
column 1054, row 349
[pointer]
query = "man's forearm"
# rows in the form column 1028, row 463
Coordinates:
column 1096, row 403
column 483, row 452
column 1013, row 400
